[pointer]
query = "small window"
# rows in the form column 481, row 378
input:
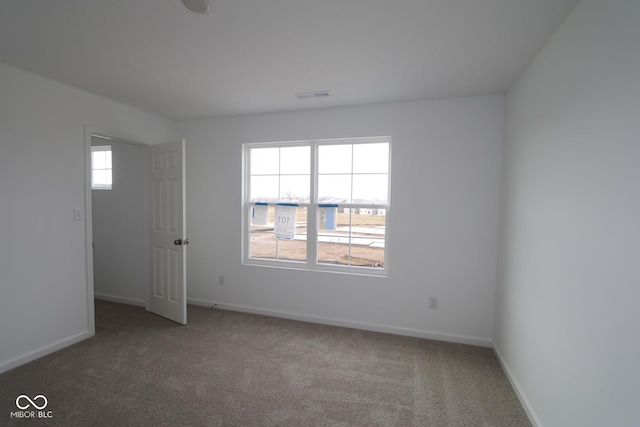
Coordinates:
column 101, row 172
column 319, row 205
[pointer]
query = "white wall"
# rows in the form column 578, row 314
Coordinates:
column 43, row 305
column 567, row 317
column 446, row 158
column 121, row 227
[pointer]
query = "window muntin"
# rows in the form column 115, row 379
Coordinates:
column 101, row 168
column 341, row 189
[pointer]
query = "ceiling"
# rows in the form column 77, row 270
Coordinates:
column 251, row 56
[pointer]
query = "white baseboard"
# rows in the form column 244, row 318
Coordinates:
column 460, row 339
column 533, row 417
column 43, row 351
column 121, row 300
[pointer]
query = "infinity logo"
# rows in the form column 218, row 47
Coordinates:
column 31, row 402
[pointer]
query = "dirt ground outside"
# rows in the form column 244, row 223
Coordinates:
column 370, row 228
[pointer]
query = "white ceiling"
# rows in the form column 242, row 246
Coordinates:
column 251, row 56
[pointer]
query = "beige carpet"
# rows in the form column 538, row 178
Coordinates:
column 235, row 369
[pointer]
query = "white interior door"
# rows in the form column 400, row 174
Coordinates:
column 168, row 284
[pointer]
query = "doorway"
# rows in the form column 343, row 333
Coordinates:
column 120, row 223
column 146, row 186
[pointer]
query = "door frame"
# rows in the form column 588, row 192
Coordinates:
column 90, row 132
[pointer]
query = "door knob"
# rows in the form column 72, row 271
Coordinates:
column 177, row 242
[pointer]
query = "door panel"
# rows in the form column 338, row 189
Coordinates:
column 168, row 293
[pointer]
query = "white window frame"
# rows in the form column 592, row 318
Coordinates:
column 97, row 149
column 312, row 211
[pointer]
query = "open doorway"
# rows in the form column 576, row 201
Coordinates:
column 120, row 220
column 138, row 206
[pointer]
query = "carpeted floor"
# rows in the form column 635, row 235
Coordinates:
column 235, row 369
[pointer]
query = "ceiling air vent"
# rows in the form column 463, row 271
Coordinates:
column 317, row 94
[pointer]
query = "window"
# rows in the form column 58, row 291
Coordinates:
column 320, row 205
column 101, row 173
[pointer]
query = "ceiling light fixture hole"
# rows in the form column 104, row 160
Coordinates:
column 197, row 6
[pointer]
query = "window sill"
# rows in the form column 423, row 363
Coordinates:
column 318, row 268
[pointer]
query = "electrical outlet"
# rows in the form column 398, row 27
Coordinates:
column 221, row 280
column 433, row 303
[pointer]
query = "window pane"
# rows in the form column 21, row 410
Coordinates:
column 358, row 239
column 264, row 161
column 334, row 188
column 370, row 188
column 296, row 249
column 101, row 178
column 263, row 240
column 98, row 160
column 295, row 160
column 333, row 236
column 367, row 256
column 334, row 159
column 371, row 158
column 330, row 252
column 294, row 188
column 367, row 238
column 292, row 250
column 264, row 189
column 264, row 244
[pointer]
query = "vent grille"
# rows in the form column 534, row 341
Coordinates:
column 316, row 94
